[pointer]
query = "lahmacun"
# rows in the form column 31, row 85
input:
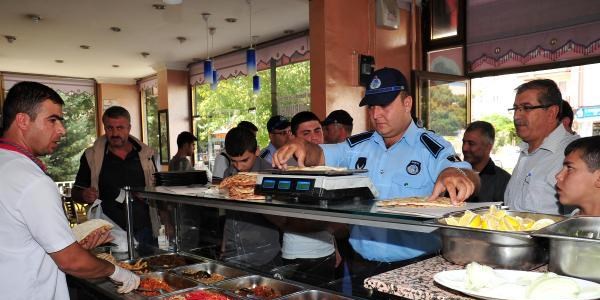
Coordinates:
column 241, row 186
column 83, row 230
column 419, row 202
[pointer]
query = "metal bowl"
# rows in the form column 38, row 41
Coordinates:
column 189, row 291
column 249, row 282
column 499, row 249
column 314, row 295
column 210, row 268
column 574, row 247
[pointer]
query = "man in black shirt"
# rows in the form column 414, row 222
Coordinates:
column 117, row 159
column 478, row 142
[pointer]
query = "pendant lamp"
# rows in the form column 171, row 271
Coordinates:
column 256, row 84
column 208, row 63
column 251, row 52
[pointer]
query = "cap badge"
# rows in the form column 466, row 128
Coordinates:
column 375, row 83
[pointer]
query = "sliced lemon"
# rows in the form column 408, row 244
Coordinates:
column 466, row 218
column 475, row 222
column 541, row 223
column 484, row 224
column 499, row 213
column 512, row 223
column 527, row 223
column 452, row 221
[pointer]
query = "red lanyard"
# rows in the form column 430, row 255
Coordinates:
column 5, row 144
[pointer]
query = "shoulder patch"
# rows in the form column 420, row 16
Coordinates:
column 432, row 145
column 359, row 138
column 265, row 153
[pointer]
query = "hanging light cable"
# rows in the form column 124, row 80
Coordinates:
column 251, row 52
column 215, row 77
column 208, row 64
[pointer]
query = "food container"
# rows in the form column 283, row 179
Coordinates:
column 220, row 294
column 574, row 247
column 135, row 265
column 313, row 295
column 210, row 268
column 238, row 285
column 174, row 281
column 516, row 250
column 169, row 261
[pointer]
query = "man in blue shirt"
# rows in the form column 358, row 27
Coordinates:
column 403, row 161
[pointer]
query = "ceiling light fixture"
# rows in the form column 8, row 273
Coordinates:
column 115, row 66
column 34, row 18
column 145, row 54
column 172, row 2
column 158, row 6
column 10, row 38
column 181, row 39
column 208, row 66
column 251, row 56
column 115, row 29
column 59, row 61
column 84, row 47
column 230, row 20
column 215, row 77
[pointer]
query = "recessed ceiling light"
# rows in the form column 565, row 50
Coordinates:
column 158, row 6
column 145, row 54
column 230, row 20
column 181, row 39
column 85, row 47
column 288, row 31
column 59, row 61
column 10, row 38
column 115, row 29
column 115, row 66
column 34, row 18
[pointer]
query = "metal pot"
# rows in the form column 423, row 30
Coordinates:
column 498, row 249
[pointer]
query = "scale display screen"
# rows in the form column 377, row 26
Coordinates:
column 287, row 185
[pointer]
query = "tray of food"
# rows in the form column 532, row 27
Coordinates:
column 138, row 266
column 208, row 273
column 420, row 207
column 162, row 283
column 169, row 261
column 314, row 295
column 241, row 186
column 258, row 287
column 201, row 293
column 316, row 170
column 495, row 237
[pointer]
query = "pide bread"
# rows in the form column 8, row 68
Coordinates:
column 81, row 231
column 418, row 202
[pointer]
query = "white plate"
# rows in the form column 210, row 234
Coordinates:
column 513, row 285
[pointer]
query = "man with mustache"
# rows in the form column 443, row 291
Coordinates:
column 118, row 159
column 38, row 246
column 537, row 121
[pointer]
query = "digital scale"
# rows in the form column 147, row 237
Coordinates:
column 316, row 185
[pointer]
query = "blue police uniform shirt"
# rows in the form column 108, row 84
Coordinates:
column 267, row 153
column 409, row 168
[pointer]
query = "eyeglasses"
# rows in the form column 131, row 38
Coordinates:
column 284, row 132
column 527, row 108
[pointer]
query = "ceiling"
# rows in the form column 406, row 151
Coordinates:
column 115, row 57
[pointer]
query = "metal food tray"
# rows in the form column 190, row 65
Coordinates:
column 188, row 261
column 252, row 281
column 174, row 281
column 211, row 268
column 315, row 172
column 589, row 228
column 314, row 295
column 191, row 290
column 498, row 249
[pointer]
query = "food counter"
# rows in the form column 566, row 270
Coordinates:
column 409, row 282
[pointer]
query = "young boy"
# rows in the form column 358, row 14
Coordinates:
column 247, row 237
column 578, row 182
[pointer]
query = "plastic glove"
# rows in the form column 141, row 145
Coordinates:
column 130, row 281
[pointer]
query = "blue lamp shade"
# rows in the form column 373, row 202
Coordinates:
column 208, row 69
column 256, row 84
column 215, row 78
column 251, row 61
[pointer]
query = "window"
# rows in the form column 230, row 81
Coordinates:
column 150, row 115
column 217, row 111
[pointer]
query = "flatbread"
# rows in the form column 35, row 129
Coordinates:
column 418, row 202
column 81, row 231
column 241, row 186
column 316, row 168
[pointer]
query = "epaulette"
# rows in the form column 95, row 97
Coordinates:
column 265, row 153
column 432, row 145
column 359, row 138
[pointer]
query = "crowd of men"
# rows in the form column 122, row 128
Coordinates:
column 557, row 173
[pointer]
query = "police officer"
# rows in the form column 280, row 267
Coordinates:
column 402, row 159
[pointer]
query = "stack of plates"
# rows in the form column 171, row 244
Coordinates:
column 180, row 178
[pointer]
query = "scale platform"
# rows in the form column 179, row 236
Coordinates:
column 315, row 185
